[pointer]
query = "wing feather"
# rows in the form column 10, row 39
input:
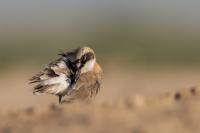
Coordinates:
column 53, row 79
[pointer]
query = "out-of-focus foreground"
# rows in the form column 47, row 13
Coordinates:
column 136, row 101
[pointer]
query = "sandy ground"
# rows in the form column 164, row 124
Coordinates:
column 140, row 100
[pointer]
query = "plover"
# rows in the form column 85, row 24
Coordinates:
column 75, row 75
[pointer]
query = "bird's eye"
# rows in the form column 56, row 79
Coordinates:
column 85, row 58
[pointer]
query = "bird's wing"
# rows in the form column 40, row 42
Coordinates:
column 87, row 86
column 53, row 79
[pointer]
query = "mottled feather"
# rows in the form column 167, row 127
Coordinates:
column 53, row 79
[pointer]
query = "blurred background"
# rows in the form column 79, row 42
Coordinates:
column 136, row 32
column 145, row 47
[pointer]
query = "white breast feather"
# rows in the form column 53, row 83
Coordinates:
column 88, row 66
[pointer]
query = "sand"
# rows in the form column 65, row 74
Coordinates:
column 138, row 100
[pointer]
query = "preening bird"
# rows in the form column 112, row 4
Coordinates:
column 75, row 75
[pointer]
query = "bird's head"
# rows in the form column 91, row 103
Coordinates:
column 85, row 59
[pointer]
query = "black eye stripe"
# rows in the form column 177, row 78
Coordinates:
column 88, row 56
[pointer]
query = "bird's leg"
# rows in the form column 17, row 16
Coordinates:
column 60, row 99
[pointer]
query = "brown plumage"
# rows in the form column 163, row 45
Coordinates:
column 88, row 85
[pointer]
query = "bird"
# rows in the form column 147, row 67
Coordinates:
column 74, row 74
